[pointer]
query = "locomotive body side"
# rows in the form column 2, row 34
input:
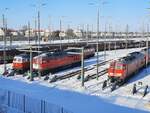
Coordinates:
column 50, row 61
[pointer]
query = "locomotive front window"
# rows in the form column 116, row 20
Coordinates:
column 19, row 60
column 118, row 66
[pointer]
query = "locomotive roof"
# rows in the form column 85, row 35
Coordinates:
column 127, row 59
column 52, row 54
column 77, row 50
column 145, row 49
column 23, row 55
column 130, row 57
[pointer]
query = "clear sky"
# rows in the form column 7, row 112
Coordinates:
column 75, row 13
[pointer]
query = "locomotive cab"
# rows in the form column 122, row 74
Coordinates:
column 21, row 62
column 117, row 70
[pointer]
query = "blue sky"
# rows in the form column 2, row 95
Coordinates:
column 77, row 13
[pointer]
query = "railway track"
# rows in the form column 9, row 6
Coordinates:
column 94, row 76
column 87, row 78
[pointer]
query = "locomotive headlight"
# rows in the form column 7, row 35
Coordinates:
column 119, row 74
column 110, row 74
column 36, row 66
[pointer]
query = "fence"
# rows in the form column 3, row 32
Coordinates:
column 26, row 104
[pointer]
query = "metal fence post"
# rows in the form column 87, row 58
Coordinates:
column 62, row 110
column 44, row 105
column 41, row 106
column 24, row 103
column 8, row 98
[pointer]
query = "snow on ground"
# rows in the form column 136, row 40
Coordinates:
column 9, row 66
column 72, row 101
column 75, row 98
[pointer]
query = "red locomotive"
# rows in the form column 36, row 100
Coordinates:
column 50, row 61
column 21, row 62
column 120, row 70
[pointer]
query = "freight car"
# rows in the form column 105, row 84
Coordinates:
column 47, row 62
column 122, row 69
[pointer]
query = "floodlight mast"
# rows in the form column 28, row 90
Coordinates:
column 98, row 33
column 4, row 38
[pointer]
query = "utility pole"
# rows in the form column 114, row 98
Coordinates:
column 87, row 34
column 147, row 45
column 31, row 67
column 105, row 42
column 127, row 33
column 111, row 33
column 39, row 4
column 97, row 44
column 4, row 38
column 50, row 28
column 35, row 31
column 29, row 33
column 60, row 35
column 82, row 66
column 39, row 38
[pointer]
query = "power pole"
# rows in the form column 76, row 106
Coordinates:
column 60, row 34
column 82, row 66
column 4, row 38
column 87, row 34
column 105, row 42
column 50, row 28
column 39, row 38
column 97, row 44
column 127, row 32
column 147, row 45
column 29, row 32
column 31, row 67
column 35, row 31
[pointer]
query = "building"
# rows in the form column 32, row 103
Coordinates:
column 62, row 34
column 78, row 33
column 1, row 32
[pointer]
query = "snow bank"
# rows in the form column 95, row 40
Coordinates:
column 72, row 101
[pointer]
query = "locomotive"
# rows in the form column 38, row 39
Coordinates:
column 47, row 62
column 21, row 62
column 122, row 69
